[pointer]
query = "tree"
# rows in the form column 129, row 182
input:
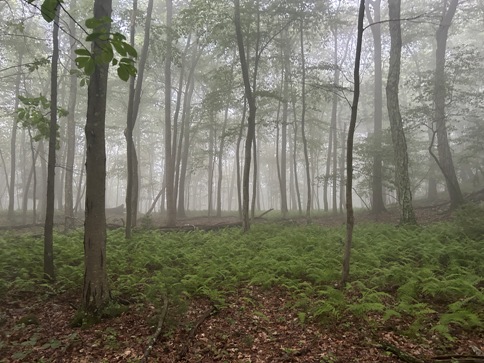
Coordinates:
column 71, row 130
column 350, row 218
column 444, row 160
column 251, row 118
column 377, row 204
column 402, row 180
column 134, row 100
column 95, row 293
column 49, row 213
column 169, row 151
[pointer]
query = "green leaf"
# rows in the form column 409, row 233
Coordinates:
column 107, row 55
column 131, row 51
column 90, row 67
column 83, row 51
column 48, row 9
column 82, row 61
column 123, row 73
column 93, row 36
column 92, row 23
column 119, row 46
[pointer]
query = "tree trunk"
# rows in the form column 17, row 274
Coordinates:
column 250, row 121
column 445, row 161
column 402, row 179
column 49, row 273
column 220, row 162
column 350, row 218
column 95, row 292
column 285, row 114
column 134, row 100
column 71, row 131
column 13, row 144
column 303, row 122
column 169, row 154
column 377, row 205
column 185, row 133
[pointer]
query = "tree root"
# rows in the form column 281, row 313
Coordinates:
column 155, row 336
column 184, row 350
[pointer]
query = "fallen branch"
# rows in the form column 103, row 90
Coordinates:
column 183, row 352
column 263, row 214
column 157, row 332
column 459, row 359
column 400, row 354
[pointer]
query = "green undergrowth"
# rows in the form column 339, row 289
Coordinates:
column 430, row 277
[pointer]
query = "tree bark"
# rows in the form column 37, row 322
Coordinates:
column 350, row 218
column 49, row 273
column 402, row 179
column 250, row 121
column 13, row 145
column 169, row 153
column 303, row 123
column 446, row 163
column 95, row 292
column 377, row 205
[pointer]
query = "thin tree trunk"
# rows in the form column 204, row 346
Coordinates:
column 350, row 218
column 71, row 131
column 49, row 273
column 303, row 122
column 13, row 144
column 169, row 152
column 220, row 162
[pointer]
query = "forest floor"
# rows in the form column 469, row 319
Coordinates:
column 254, row 325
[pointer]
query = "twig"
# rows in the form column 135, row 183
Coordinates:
column 183, row 352
column 157, row 332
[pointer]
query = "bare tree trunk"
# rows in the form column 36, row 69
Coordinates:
column 49, row 272
column 445, row 161
column 350, row 218
column 95, row 292
column 342, row 199
column 71, row 131
column 13, row 145
column 134, row 100
column 251, row 119
column 220, row 163
column 303, row 122
column 169, row 152
column 377, row 205
column 211, row 153
column 237, row 160
column 402, row 179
